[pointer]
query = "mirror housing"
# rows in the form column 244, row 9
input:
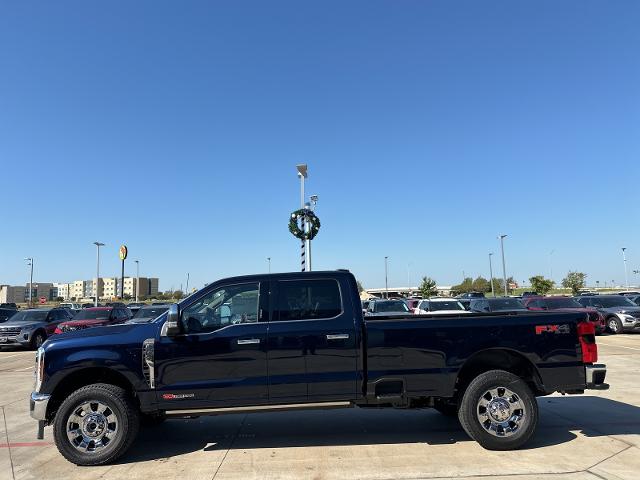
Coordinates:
column 173, row 325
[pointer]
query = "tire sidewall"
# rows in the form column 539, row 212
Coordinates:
column 80, row 396
column 468, row 410
column 34, row 343
column 617, row 323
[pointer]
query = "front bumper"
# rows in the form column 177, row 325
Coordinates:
column 15, row 339
column 38, row 405
column 595, row 375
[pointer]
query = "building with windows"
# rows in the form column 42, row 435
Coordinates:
column 11, row 294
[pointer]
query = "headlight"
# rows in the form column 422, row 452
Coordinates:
column 39, row 370
column 628, row 318
column 27, row 327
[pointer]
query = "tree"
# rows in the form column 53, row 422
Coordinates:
column 541, row 285
column 428, row 287
column 464, row 287
column 575, row 281
column 59, row 299
column 360, row 287
column 481, row 284
column 178, row 294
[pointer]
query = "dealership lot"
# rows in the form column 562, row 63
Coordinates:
column 580, row 437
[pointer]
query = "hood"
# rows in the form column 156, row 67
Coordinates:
column 446, row 312
column 9, row 323
column 623, row 309
column 84, row 323
column 98, row 335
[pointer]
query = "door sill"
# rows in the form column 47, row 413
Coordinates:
column 259, row 408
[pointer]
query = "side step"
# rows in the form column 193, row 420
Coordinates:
column 259, row 408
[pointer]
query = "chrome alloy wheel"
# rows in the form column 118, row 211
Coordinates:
column 613, row 325
column 501, row 412
column 92, row 426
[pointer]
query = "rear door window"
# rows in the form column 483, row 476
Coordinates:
column 308, row 300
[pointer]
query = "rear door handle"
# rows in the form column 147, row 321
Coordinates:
column 248, row 341
column 338, row 336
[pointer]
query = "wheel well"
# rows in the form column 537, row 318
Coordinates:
column 499, row 360
column 81, row 378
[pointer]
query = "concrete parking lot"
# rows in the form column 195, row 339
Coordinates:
column 580, row 437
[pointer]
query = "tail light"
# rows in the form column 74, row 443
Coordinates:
column 587, row 337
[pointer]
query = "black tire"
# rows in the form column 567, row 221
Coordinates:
column 471, row 408
column 38, row 339
column 614, row 325
column 120, row 405
column 446, row 408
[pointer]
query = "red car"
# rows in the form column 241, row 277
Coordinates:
column 412, row 303
column 567, row 304
column 95, row 317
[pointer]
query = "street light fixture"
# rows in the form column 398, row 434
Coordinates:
column 493, row 291
column 98, row 245
column 30, row 264
column 386, row 277
column 504, row 269
column 137, row 278
column 626, row 274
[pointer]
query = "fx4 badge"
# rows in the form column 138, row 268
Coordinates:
column 540, row 329
column 177, row 396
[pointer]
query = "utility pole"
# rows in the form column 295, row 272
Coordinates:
column 504, row 269
column 269, row 262
column 30, row 264
column 626, row 274
column 98, row 245
column 493, row 291
column 186, row 290
column 386, row 277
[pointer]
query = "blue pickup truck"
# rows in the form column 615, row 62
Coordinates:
column 288, row 341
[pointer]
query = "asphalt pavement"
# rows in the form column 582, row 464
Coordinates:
column 590, row 436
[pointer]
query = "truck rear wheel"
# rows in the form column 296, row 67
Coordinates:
column 96, row 424
column 499, row 411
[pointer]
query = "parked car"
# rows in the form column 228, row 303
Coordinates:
column 629, row 293
column 498, row 304
column 365, row 305
column 566, row 304
column 9, row 305
column 440, row 306
column 95, row 317
column 6, row 313
column 528, row 294
column 32, row 326
column 135, row 306
column 620, row 313
column 148, row 313
column 634, row 298
column 277, row 342
column 469, row 295
column 412, row 303
column 76, row 307
column 387, row 307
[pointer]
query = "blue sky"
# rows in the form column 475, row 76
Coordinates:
column 429, row 128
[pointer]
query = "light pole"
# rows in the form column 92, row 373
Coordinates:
column 504, row 269
column 137, row 278
column 30, row 264
column 302, row 174
column 386, row 277
column 98, row 245
column 269, row 262
column 493, row 291
column 626, row 274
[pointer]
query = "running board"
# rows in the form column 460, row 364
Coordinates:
column 260, row 408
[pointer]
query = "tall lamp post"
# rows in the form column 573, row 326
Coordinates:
column 98, row 245
column 302, row 174
column 626, row 274
column 30, row 264
column 269, row 262
column 137, row 278
column 504, row 269
column 386, row 277
column 493, row 291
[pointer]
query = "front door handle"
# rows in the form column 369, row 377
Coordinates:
column 338, row 336
column 248, row 341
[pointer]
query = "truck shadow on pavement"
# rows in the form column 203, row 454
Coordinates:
column 560, row 417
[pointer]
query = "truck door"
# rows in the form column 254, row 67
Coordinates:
column 220, row 360
column 311, row 346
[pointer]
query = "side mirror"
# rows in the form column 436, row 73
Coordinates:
column 173, row 326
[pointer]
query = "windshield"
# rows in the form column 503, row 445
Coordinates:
column 563, row 303
column 150, row 312
column 385, row 307
column 443, row 305
column 89, row 314
column 610, row 302
column 30, row 316
column 504, row 304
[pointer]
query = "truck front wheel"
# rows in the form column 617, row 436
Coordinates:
column 96, row 424
column 499, row 411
